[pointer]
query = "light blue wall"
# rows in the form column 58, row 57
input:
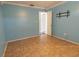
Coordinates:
column 68, row 25
column 17, row 22
column 20, row 26
column 2, row 36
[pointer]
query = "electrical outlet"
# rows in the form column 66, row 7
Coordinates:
column 65, row 34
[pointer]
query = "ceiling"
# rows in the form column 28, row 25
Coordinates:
column 40, row 4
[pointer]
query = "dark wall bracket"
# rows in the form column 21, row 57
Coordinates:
column 63, row 14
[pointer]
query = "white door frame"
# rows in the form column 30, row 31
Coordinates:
column 42, row 22
column 49, row 22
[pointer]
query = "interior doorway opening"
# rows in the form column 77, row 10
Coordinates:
column 45, row 23
column 42, row 22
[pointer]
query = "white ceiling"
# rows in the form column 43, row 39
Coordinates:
column 40, row 4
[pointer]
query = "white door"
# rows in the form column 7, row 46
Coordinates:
column 49, row 22
column 42, row 22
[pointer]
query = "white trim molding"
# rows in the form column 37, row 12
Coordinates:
column 6, row 44
column 60, row 3
column 23, row 5
column 18, row 4
column 65, row 39
column 22, row 38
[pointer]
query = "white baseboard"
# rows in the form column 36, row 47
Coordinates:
column 66, row 39
column 16, row 40
column 5, row 49
column 36, row 36
column 23, row 38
